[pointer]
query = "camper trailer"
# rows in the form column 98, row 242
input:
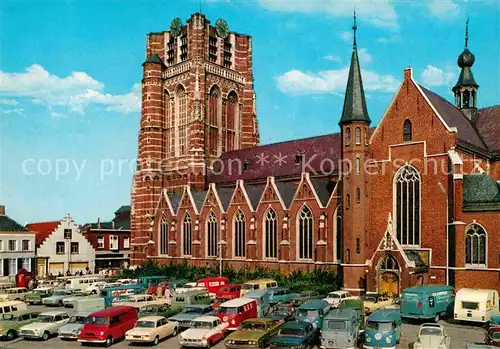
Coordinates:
column 476, row 305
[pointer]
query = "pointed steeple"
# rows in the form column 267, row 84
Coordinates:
column 354, row 102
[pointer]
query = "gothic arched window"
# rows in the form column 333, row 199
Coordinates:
column 163, row 236
column 407, row 131
column 407, row 205
column 347, row 136
column 271, row 234
column 305, row 233
column 229, row 125
column 389, row 263
column 357, row 135
column 182, row 129
column 212, row 235
column 239, row 235
column 475, row 245
column 187, row 235
column 214, row 111
column 169, row 124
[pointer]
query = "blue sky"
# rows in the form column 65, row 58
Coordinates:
column 69, row 93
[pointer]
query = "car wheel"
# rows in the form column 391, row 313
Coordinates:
column 174, row 332
column 109, row 341
column 11, row 335
column 45, row 336
column 156, row 341
column 436, row 318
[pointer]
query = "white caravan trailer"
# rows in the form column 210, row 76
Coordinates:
column 473, row 304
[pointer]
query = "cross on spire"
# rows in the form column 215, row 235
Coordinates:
column 354, row 27
column 467, row 31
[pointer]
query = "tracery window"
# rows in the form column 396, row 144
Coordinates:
column 214, row 104
column 212, row 235
column 407, row 205
column 163, row 236
column 305, row 233
column 239, row 234
column 183, row 121
column 229, row 124
column 271, row 234
column 347, row 136
column 187, row 235
column 475, row 245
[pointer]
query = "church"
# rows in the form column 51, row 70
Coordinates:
column 413, row 200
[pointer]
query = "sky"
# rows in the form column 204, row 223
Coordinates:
column 70, row 75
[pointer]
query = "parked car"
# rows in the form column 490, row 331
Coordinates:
column 108, row 325
column 188, row 286
column 186, row 316
column 68, row 301
column 261, row 298
column 282, row 311
column 14, row 294
column 74, row 326
column 305, row 296
column 383, row 329
column 46, row 325
column 493, row 336
column 340, row 329
column 235, row 311
column 138, row 300
column 334, row 298
column 38, row 294
column 432, row 336
column 313, row 311
column 190, row 298
column 428, row 302
column 157, row 310
column 358, row 307
column 205, row 331
column 258, row 284
column 96, row 287
column 280, row 294
column 10, row 323
column 227, row 292
column 56, row 300
column 152, row 329
column 374, row 302
column 295, row 334
column 253, row 333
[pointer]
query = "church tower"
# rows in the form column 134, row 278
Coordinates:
column 198, row 101
column 354, row 126
column 465, row 90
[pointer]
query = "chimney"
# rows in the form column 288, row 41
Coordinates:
column 98, row 222
column 408, row 73
column 2, row 210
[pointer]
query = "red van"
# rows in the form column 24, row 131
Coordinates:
column 237, row 310
column 108, row 325
column 212, row 284
column 228, row 292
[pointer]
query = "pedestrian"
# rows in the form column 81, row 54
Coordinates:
column 159, row 291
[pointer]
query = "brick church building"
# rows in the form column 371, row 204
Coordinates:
column 415, row 200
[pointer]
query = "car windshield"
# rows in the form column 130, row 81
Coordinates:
column 281, row 311
column 228, row 310
column 308, row 313
column 145, row 324
column 333, row 295
column 253, row 326
column 369, row 298
column 40, row 292
column 430, row 331
column 60, row 293
column 248, row 286
column 149, row 309
column 201, row 325
column 97, row 320
column 45, row 318
column 77, row 319
column 292, row 332
column 192, row 310
column 379, row 326
column 337, row 325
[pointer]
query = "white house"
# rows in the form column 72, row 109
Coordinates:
column 61, row 247
column 17, row 246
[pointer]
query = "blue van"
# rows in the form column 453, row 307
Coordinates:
column 427, row 302
column 383, row 329
column 313, row 311
column 262, row 297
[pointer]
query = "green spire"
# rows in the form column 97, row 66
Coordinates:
column 354, row 102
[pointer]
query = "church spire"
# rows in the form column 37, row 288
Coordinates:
column 354, row 101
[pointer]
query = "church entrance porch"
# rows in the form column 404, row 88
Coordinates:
column 388, row 276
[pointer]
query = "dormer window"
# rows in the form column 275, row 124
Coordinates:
column 298, row 158
column 347, row 136
column 407, row 131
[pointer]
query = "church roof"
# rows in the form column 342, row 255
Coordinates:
column 154, row 58
column 318, row 155
column 199, row 198
column 287, row 192
column 324, row 190
column 481, row 193
column 175, row 200
column 254, row 194
column 453, row 117
column 488, row 125
column 466, row 78
column 225, row 195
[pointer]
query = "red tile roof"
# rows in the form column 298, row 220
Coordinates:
column 488, row 125
column 320, row 155
column 42, row 230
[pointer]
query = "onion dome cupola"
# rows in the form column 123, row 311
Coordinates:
column 465, row 90
column 354, row 101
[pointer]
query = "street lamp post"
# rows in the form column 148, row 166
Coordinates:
column 222, row 228
column 443, row 190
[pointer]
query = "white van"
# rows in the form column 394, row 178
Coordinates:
column 10, row 306
column 473, row 304
column 88, row 303
column 81, row 283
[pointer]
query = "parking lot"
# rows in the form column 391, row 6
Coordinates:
column 460, row 335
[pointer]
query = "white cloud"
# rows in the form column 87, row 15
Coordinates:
column 443, row 8
column 345, row 35
column 9, row 102
column 434, row 76
column 380, row 13
column 389, row 39
column 19, row 111
column 364, row 56
column 332, row 81
column 75, row 92
column 332, row 58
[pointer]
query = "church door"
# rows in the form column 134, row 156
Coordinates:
column 388, row 276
